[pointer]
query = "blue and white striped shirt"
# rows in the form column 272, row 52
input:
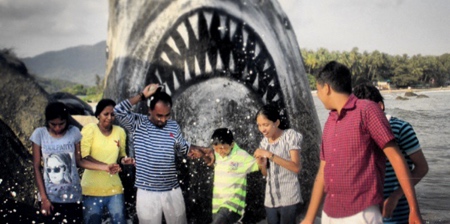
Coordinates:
column 409, row 144
column 155, row 149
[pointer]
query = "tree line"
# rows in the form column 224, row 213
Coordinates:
column 89, row 94
column 399, row 70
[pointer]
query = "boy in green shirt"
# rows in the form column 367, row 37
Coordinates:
column 231, row 166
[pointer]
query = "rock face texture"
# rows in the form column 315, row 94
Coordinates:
column 17, row 189
column 23, row 103
column 220, row 61
column 21, row 111
column 23, row 100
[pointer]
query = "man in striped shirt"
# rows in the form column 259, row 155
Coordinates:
column 157, row 141
column 396, row 209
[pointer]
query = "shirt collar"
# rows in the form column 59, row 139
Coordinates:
column 349, row 105
column 351, row 102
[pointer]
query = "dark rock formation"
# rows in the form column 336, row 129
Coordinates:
column 17, row 189
column 220, row 61
column 23, row 100
column 422, row 96
column 401, row 98
column 21, row 111
column 410, row 94
column 73, row 103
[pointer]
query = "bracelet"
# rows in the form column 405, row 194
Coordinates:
column 142, row 96
column 272, row 156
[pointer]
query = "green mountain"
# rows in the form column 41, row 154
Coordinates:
column 77, row 64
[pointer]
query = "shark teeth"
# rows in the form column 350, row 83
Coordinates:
column 208, row 43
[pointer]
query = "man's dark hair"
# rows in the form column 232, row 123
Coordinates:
column 336, row 75
column 160, row 96
column 222, row 136
column 369, row 92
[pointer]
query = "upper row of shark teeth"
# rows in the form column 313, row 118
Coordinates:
column 206, row 25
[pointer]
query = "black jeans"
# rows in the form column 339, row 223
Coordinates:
column 64, row 213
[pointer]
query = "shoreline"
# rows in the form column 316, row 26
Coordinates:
column 414, row 90
column 436, row 89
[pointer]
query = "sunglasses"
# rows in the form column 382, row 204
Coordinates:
column 56, row 169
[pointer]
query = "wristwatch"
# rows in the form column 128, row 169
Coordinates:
column 272, row 156
column 142, row 96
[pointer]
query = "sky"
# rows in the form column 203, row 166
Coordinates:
column 396, row 27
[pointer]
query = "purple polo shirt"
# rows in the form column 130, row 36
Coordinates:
column 352, row 145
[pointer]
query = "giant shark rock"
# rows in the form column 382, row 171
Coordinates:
column 220, row 61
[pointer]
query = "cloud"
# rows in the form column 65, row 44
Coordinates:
column 392, row 26
column 36, row 26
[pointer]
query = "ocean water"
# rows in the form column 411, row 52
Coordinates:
column 430, row 118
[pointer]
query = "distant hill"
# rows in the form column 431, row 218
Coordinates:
column 75, row 64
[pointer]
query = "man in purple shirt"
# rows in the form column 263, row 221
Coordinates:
column 355, row 143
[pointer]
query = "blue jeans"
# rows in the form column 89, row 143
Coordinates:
column 284, row 215
column 94, row 205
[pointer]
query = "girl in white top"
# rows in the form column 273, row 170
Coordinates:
column 279, row 153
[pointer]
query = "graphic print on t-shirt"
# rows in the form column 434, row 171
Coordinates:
column 58, row 168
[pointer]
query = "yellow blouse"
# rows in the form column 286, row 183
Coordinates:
column 105, row 149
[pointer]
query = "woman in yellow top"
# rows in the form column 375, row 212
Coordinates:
column 103, row 143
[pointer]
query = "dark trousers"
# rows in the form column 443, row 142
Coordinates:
column 283, row 215
column 64, row 213
column 225, row 216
